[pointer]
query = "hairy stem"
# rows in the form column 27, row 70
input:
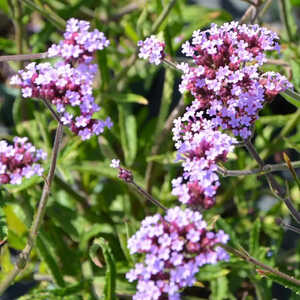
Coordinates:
column 245, row 256
column 275, row 187
column 21, row 57
column 266, row 169
column 148, row 196
column 38, row 218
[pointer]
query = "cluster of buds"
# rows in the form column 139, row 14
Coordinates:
column 19, row 160
column 68, row 84
column 175, row 247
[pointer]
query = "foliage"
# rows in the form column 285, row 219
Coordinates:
column 90, row 208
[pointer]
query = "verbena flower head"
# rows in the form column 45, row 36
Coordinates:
column 200, row 146
column 175, row 247
column 68, row 84
column 152, row 49
column 19, row 160
column 79, row 44
column 226, row 79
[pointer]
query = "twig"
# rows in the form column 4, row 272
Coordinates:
column 171, row 64
column 245, row 256
column 53, row 112
column 148, row 196
column 268, row 168
column 21, row 57
column 274, row 185
column 38, row 218
column 287, row 226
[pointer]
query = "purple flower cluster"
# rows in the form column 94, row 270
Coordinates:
column 19, row 160
column 79, row 44
column 175, row 247
column 200, row 147
column 226, row 80
column 152, row 49
column 68, row 84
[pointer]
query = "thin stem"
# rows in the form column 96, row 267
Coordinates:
column 21, row 57
column 287, row 226
column 266, row 169
column 163, row 16
column 38, row 218
column 274, row 185
column 169, row 63
column 53, row 112
column 245, row 256
column 148, row 196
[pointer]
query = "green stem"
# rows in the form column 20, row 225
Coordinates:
column 245, row 256
column 162, row 16
column 266, row 169
column 277, row 190
column 37, row 221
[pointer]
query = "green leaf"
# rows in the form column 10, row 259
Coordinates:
column 254, row 238
column 48, row 258
column 291, row 97
column 63, row 217
column 128, row 129
column 210, row 272
column 284, row 282
column 126, row 98
column 102, row 62
column 110, row 277
column 14, row 223
column 219, row 289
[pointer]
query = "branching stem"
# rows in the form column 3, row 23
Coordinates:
column 277, row 190
column 245, row 256
column 38, row 218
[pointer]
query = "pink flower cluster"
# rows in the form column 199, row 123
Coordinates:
column 200, row 147
column 68, row 84
column 175, row 247
column 226, row 79
column 19, row 160
column 152, row 49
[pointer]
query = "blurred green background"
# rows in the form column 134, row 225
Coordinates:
column 89, row 201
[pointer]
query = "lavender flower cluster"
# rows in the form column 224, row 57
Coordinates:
column 19, row 160
column 175, row 247
column 68, row 84
column 152, row 49
column 225, row 78
column 200, row 146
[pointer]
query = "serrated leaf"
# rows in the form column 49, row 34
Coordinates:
column 284, row 282
column 254, row 238
column 110, row 276
column 292, row 97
